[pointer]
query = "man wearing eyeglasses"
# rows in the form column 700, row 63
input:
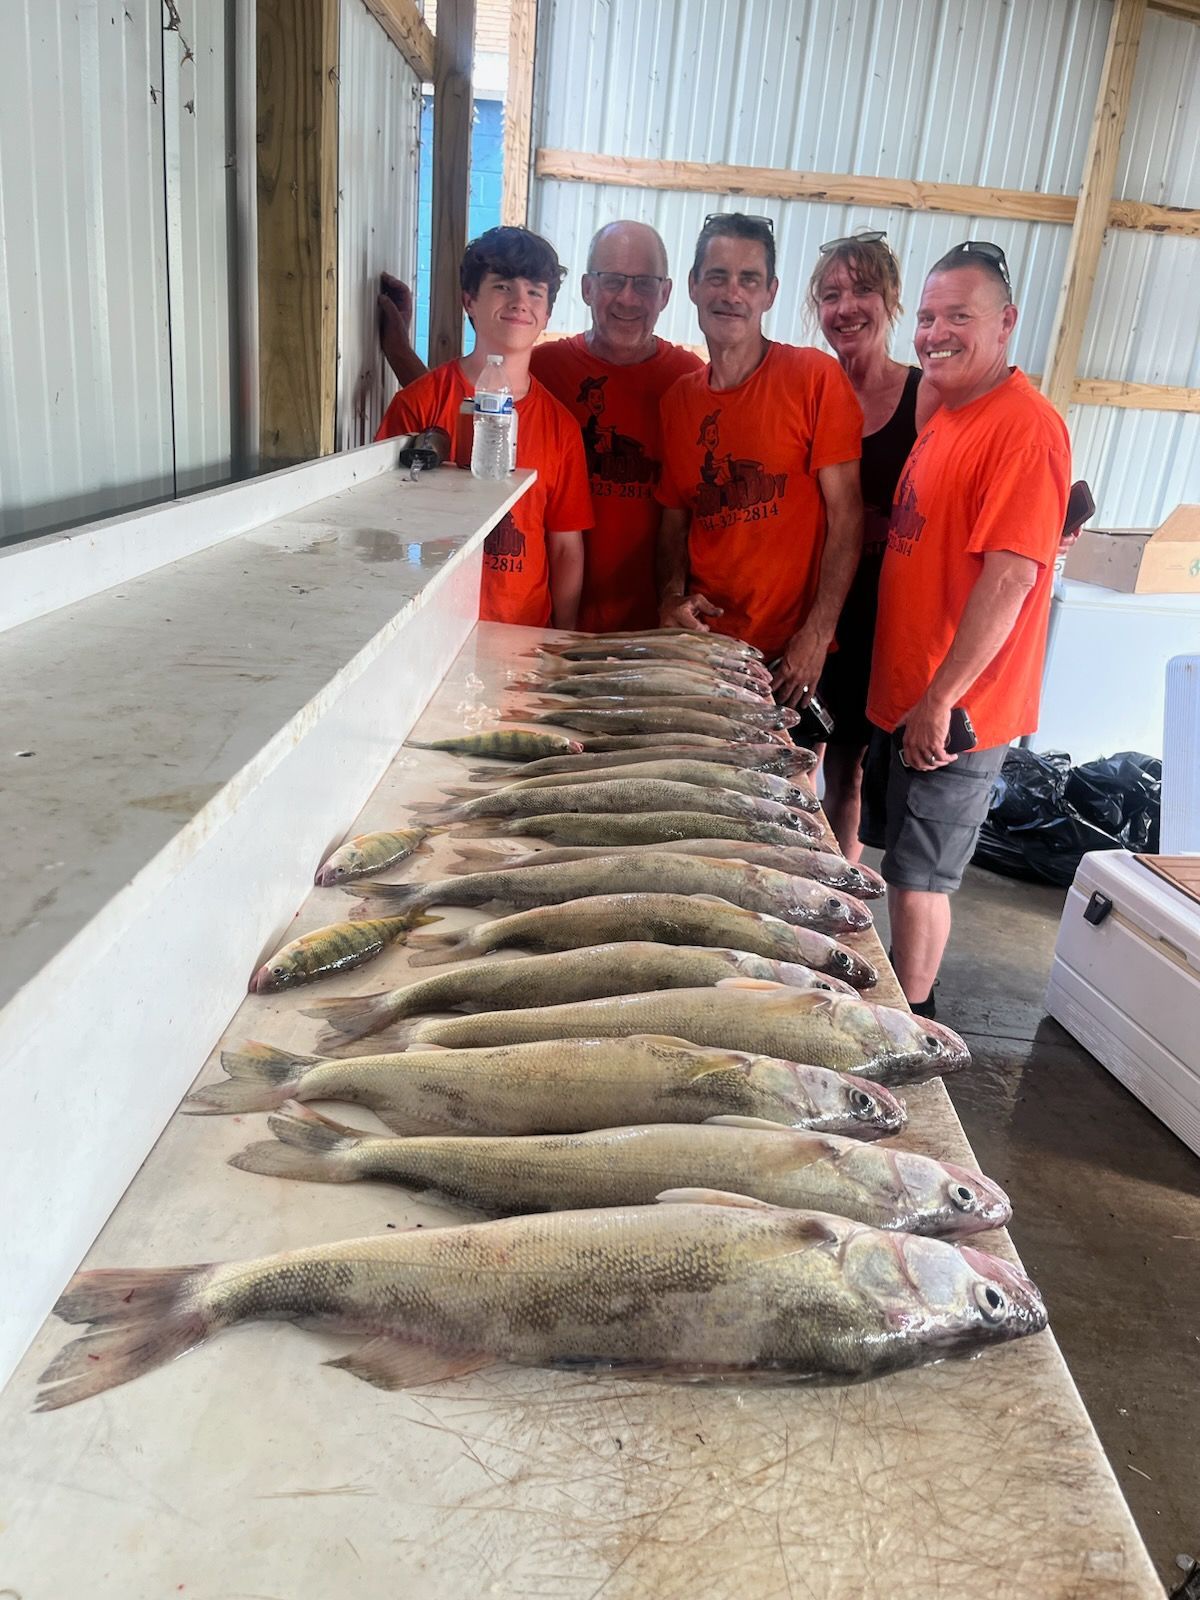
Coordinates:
column 964, row 603
column 611, row 378
column 762, row 509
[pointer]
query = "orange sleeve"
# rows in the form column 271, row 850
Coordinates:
column 413, row 409
column 569, row 497
column 1026, row 503
column 837, row 421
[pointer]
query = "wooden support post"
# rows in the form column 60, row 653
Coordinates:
column 408, row 31
column 452, row 111
column 297, row 227
column 518, row 113
column 1099, row 171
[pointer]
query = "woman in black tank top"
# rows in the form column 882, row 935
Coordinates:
column 855, row 293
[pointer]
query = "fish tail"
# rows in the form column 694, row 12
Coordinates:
column 478, row 858
column 259, row 1079
column 487, row 774
column 357, row 1015
column 306, row 1146
column 391, row 898
column 462, row 792
column 140, row 1319
column 479, row 828
column 433, row 948
column 436, row 811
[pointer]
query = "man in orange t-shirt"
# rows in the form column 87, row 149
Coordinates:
column 533, row 557
column 964, row 602
column 762, row 522
column 611, row 379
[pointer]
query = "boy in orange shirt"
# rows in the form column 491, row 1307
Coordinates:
column 964, row 602
column 762, row 523
column 533, row 558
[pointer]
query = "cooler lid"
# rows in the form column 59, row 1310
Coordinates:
column 1146, row 901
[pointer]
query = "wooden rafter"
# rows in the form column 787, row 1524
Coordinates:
column 1095, row 200
column 408, row 31
column 904, row 194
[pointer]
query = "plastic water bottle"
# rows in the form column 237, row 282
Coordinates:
column 493, row 446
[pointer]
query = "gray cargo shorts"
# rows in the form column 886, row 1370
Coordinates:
column 926, row 823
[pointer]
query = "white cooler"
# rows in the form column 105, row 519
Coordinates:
column 1126, row 983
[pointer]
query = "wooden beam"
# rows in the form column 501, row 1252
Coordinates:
column 902, row 194
column 452, row 109
column 518, row 113
column 408, row 31
column 1095, row 200
column 1185, row 10
column 1134, row 396
column 297, row 45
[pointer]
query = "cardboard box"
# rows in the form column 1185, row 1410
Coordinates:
column 1165, row 560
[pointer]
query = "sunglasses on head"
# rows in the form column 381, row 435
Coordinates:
column 742, row 216
column 992, row 254
column 875, row 237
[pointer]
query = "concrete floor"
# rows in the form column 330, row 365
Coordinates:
column 1106, row 1204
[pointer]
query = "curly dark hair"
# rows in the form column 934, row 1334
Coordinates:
column 512, row 253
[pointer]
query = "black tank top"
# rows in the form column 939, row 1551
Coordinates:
column 885, row 451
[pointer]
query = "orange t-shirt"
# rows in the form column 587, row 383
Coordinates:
column 617, row 408
column 744, row 462
column 516, row 568
column 993, row 475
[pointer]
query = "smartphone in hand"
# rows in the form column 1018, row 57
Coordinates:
column 960, row 737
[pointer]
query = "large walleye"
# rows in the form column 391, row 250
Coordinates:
column 734, row 674
column 802, row 859
column 335, row 948
column 564, row 1086
column 624, row 796
column 704, row 1285
column 688, row 919
column 838, row 1031
column 876, row 1184
column 369, row 852
column 772, row 757
column 643, row 683
column 663, row 828
column 648, row 719
column 607, row 969
column 701, row 774
column 797, row 900
column 755, row 714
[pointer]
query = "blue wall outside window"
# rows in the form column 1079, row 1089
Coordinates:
column 487, row 173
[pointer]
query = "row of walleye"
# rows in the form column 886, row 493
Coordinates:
column 669, row 1099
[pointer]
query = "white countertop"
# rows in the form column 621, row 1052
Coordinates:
column 246, row 1469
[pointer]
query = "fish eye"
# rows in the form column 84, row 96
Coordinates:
column 833, row 906
column 991, row 1302
column 930, row 1044
column 861, row 1103
column 842, row 961
column 963, row 1197
column 828, row 987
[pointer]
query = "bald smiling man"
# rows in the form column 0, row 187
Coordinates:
column 611, row 379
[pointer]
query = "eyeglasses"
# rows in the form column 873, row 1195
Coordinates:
column 985, row 251
column 854, row 238
column 644, row 284
column 739, row 216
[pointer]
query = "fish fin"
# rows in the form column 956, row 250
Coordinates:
column 435, row 810
column 356, row 1015
column 711, row 1197
column 260, row 1078
column 460, row 791
column 265, row 1064
column 760, row 1123
column 384, row 899
column 751, row 983
column 141, row 1318
column 479, row 828
column 394, row 1363
column 488, row 774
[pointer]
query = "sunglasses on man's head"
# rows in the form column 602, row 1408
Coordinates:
column 876, row 237
column 983, row 250
column 742, row 216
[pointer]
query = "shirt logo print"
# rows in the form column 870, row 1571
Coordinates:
column 612, row 457
column 729, row 483
column 907, row 524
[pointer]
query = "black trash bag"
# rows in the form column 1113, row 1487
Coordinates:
column 1046, row 815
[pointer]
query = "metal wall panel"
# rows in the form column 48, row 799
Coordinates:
column 85, row 400
column 380, row 105
column 199, row 179
column 987, row 92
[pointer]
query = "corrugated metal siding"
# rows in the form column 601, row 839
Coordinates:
column 987, row 92
column 85, row 402
column 199, row 180
column 377, row 210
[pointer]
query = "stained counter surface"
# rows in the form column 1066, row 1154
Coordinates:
column 248, row 1469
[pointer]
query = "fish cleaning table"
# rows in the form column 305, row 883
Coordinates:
column 248, row 1469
